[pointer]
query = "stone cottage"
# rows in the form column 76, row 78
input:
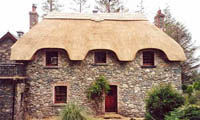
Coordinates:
column 65, row 53
column 58, row 59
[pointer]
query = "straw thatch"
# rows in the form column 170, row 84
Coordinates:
column 122, row 35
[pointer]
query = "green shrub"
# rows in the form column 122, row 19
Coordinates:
column 187, row 112
column 161, row 100
column 196, row 85
column 189, row 90
column 96, row 90
column 184, row 87
column 74, row 112
column 194, row 98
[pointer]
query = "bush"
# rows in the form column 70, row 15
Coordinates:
column 194, row 98
column 96, row 91
column 188, row 112
column 184, row 87
column 161, row 100
column 189, row 90
column 73, row 112
column 196, row 85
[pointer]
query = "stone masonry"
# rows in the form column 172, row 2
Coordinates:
column 132, row 81
column 6, row 99
column 5, row 46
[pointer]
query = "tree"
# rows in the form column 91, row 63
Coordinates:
column 110, row 6
column 179, row 32
column 141, row 7
column 51, row 5
column 80, row 5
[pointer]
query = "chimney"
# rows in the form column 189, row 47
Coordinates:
column 33, row 16
column 20, row 34
column 95, row 11
column 159, row 20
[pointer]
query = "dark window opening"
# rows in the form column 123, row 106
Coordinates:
column 60, row 94
column 100, row 57
column 51, row 58
column 148, row 58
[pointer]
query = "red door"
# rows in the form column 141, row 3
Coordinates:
column 111, row 99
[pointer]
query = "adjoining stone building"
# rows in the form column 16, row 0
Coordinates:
column 65, row 53
column 11, row 77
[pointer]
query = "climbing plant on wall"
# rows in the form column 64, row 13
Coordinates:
column 97, row 91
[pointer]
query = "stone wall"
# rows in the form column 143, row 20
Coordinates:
column 133, row 81
column 5, row 50
column 6, row 99
column 19, row 100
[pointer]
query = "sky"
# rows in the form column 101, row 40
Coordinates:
column 15, row 13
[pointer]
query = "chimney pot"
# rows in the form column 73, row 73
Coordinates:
column 20, row 33
column 34, row 7
column 95, row 11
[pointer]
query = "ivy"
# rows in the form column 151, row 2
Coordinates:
column 97, row 90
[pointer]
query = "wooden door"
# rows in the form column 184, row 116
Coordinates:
column 111, row 100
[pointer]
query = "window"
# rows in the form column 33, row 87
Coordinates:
column 51, row 58
column 148, row 58
column 60, row 94
column 100, row 57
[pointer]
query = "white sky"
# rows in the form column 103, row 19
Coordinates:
column 15, row 13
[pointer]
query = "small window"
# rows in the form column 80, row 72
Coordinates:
column 51, row 58
column 60, row 94
column 148, row 58
column 100, row 57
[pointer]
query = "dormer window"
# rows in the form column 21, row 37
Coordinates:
column 148, row 59
column 51, row 58
column 100, row 57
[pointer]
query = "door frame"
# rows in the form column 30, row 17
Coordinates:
column 118, row 105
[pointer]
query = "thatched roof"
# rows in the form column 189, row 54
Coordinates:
column 123, row 34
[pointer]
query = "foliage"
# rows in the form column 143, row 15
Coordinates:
column 96, row 90
column 192, row 95
column 161, row 100
column 196, row 85
column 193, row 98
column 74, row 112
column 141, row 7
column 110, row 6
column 189, row 90
column 187, row 112
column 184, row 88
column 179, row 32
column 79, row 5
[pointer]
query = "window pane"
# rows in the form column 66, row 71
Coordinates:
column 148, row 58
column 100, row 57
column 60, row 94
column 52, row 58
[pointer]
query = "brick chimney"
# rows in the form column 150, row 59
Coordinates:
column 159, row 20
column 33, row 16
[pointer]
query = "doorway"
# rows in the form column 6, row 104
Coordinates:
column 111, row 99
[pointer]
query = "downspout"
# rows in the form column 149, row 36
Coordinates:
column 13, row 104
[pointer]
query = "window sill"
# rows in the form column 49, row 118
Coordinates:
column 51, row 67
column 148, row 66
column 100, row 64
column 59, row 104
